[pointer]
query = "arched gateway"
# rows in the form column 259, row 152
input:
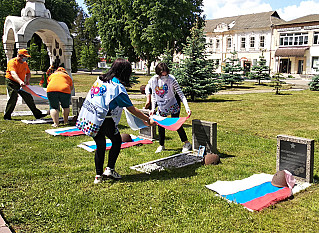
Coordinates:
column 35, row 18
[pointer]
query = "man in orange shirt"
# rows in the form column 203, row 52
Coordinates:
column 18, row 75
column 59, row 90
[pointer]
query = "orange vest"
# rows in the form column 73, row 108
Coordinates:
column 21, row 69
column 59, row 82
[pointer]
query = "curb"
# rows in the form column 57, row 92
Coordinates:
column 3, row 226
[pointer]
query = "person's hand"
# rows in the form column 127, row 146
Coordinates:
column 189, row 113
column 151, row 122
column 22, row 84
column 151, row 113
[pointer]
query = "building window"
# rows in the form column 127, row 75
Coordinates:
column 316, row 38
column 229, row 43
column 252, row 42
column 262, row 42
column 243, row 43
column 315, row 63
column 217, row 44
column 291, row 39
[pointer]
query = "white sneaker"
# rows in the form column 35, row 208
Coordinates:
column 186, row 147
column 160, row 149
column 98, row 179
column 111, row 173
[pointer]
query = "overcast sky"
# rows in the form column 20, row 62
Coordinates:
column 287, row 9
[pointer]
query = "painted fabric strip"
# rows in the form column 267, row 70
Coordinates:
column 268, row 200
column 252, row 193
column 255, row 192
column 91, row 146
column 35, row 91
column 134, row 122
column 170, row 123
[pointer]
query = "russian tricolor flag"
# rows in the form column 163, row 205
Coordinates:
column 35, row 91
column 173, row 123
column 255, row 192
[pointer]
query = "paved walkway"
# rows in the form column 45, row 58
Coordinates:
column 3, row 226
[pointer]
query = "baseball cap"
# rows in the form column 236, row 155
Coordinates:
column 23, row 52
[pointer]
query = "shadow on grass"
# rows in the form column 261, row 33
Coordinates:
column 168, row 174
column 213, row 101
column 224, row 156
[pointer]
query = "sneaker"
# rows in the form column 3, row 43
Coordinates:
column 111, row 173
column 54, row 125
column 186, row 147
column 98, row 179
column 160, row 149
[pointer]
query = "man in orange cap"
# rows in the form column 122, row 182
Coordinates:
column 18, row 75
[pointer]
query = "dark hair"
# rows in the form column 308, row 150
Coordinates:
column 160, row 68
column 121, row 69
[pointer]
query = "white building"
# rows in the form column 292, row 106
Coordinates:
column 248, row 35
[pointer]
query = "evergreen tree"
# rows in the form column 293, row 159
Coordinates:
column 260, row 71
column 232, row 71
column 167, row 57
column 276, row 82
column 195, row 73
column 314, row 84
column 34, row 60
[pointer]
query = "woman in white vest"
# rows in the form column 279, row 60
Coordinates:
column 166, row 95
column 101, row 113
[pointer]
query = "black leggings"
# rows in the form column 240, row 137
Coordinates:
column 180, row 131
column 109, row 130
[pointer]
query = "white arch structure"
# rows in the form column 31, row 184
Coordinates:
column 35, row 18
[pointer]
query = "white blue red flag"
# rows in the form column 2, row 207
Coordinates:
column 36, row 91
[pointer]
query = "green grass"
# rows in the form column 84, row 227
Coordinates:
column 47, row 182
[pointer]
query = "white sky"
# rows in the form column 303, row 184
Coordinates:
column 287, row 9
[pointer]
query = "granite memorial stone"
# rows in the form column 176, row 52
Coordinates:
column 204, row 134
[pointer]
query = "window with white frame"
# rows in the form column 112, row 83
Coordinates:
column 252, row 42
column 217, row 44
column 291, row 39
column 316, row 38
column 229, row 43
column 243, row 43
column 315, row 63
column 262, row 42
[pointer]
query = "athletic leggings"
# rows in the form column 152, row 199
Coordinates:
column 109, row 130
column 180, row 131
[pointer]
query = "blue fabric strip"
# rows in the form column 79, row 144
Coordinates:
column 252, row 193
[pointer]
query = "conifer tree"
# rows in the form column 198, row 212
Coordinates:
column 195, row 73
column 260, row 71
column 232, row 71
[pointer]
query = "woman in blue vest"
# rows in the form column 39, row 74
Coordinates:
column 101, row 113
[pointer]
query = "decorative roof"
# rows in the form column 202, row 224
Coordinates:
column 241, row 22
column 304, row 19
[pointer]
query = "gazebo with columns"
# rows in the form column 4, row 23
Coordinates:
column 35, row 18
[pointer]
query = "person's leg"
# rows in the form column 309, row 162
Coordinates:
column 12, row 88
column 100, row 151
column 30, row 102
column 115, row 149
column 181, row 131
column 54, row 107
column 54, row 113
column 161, row 134
column 65, row 103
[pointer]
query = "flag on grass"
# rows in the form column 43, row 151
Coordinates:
column 255, row 192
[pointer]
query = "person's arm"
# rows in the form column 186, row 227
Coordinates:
column 27, row 79
column 135, row 111
column 16, row 78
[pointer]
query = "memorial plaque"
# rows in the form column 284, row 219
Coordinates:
column 147, row 132
column 204, row 134
column 296, row 155
column 77, row 103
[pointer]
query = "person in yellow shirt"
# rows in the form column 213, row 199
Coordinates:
column 59, row 90
column 18, row 75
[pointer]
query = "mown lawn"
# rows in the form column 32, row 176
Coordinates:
column 47, row 182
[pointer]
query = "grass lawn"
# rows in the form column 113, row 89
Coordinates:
column 47, row 185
